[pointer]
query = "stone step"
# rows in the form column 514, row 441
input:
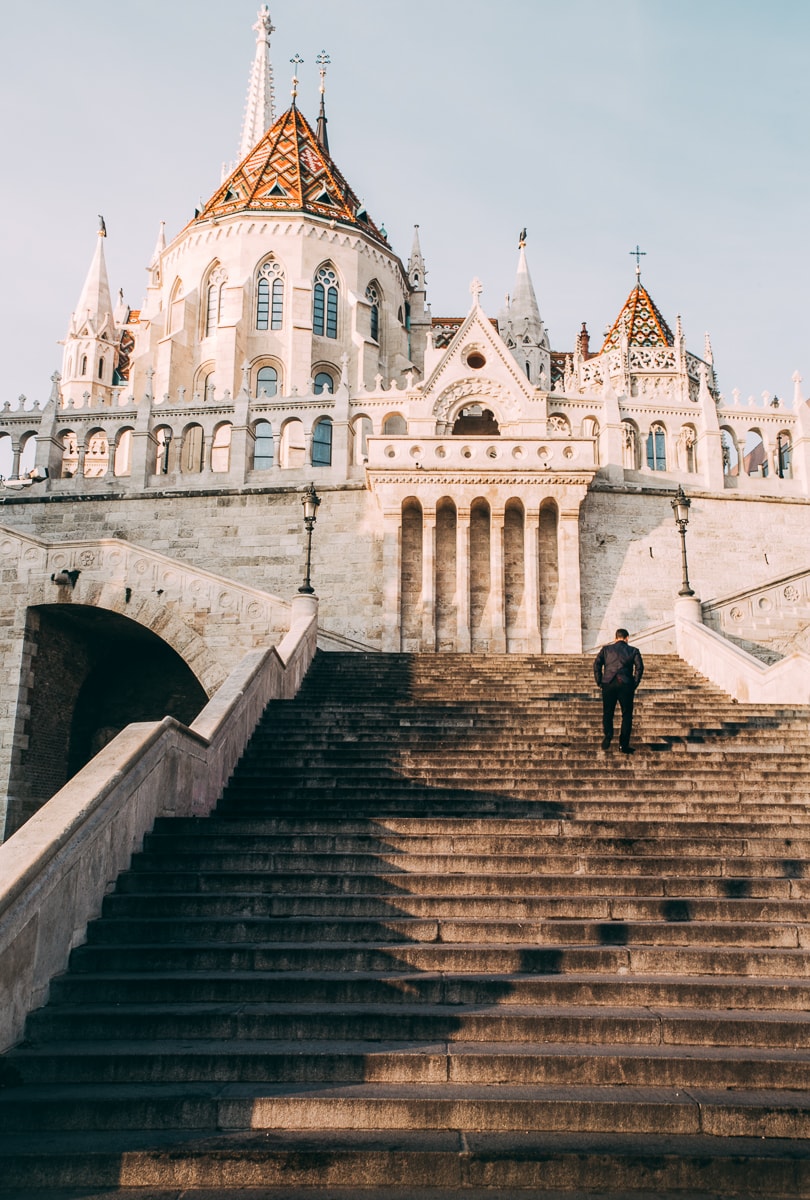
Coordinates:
column 607, row 907
column 466, row 958
column 740, row 866
column 436, row 1107
column 709, row 993
column 652, row 1026
column 447, row 1163
column 449, row 827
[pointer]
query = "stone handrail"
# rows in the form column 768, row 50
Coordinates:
column 55, row 870
column 739, row 673
column 557, row 452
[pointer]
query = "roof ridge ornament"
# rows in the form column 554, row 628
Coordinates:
column 638, row 254
column 323, row 60
column 296, row 61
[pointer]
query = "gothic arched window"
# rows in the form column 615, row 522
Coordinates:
column 262, row 446
column 373, row 297
column 323, row 382
column 213, row 300
column 322, row 443
column 657, row 448
column 266, row 381
column 270, row 296
column 325, row 303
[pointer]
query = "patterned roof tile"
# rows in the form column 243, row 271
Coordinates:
column 642, row 322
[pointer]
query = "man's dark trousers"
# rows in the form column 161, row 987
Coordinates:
column 621, row 693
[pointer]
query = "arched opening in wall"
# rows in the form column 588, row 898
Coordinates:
column 362, row 429
column 122, row 458
column 549, row 590
column 395, row 425
column 784, row 455
column 70, row 453
column 325, row 302
column 657, row 448
column 262, row 446
column 96, row 454
column 475, row 421
column 411, row 576
column 6, row 456
column 221, row 448
column 163, row 450
column 590, row 429
column 686, row 449
column 174, row 319
column 322, row 442
column 514, row 573
column 323, row 381
column 631, row 446
column 270, row 296
column 266, row 382
column 559, row 424
column 191, row 451
column 92, row 672
column 731, row 453
column 293, row 450
column 374, row 298
column 755, row 456
column 28, row 452
column 446, row 557
column 480, row 576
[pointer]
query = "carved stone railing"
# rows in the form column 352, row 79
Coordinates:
column 555, row 453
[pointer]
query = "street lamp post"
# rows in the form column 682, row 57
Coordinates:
column 310, row 501
column 680, row 507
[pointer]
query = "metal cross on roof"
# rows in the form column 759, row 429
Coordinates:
column 296, row 61
column 638, row 255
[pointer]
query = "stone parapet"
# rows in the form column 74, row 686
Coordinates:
column 57, row 867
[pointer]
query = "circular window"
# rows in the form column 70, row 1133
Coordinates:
column 476, row 360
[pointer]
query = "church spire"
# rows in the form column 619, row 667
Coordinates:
column 323, row 61
column 95, row 301
column 259, row 109
column 521, row 325
column 416, row 264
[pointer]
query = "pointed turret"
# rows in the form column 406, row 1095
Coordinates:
column 521, row 325
column 259, row 108
column 91, row 345
column 416, row 263
column 289, row 171
column 95, row 302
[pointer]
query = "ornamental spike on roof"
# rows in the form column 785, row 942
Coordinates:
column 641, row 321
column 289, row 171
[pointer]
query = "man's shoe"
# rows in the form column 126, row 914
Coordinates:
column 627, row 749
column 605, row 743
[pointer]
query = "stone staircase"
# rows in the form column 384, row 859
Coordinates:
column 434, row 942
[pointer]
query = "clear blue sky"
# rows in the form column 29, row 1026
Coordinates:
column 596, row 125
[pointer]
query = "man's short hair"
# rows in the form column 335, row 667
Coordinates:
column 622, row 633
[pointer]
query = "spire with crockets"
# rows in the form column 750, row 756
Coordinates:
column 259, row 109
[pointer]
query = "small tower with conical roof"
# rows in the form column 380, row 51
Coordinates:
column 521, row 326
column 418, row 318
column 91, row 345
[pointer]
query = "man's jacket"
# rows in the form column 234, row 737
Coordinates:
column 618, row 663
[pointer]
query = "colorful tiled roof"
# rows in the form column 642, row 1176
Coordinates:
column 289, row 171
column 642, row 322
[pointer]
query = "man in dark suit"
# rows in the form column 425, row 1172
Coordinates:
column 617, row 669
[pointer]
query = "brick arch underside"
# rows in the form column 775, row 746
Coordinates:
column 92, row 672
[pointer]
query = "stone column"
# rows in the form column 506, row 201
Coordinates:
column 392, row 581
column 531, row 568
column 429, row 579
column 497, row 641
column 463, row 579
column 568, row 559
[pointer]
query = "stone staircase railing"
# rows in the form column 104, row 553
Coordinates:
column 56, row 869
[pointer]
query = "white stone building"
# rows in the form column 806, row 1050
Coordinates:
column 482, row 490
